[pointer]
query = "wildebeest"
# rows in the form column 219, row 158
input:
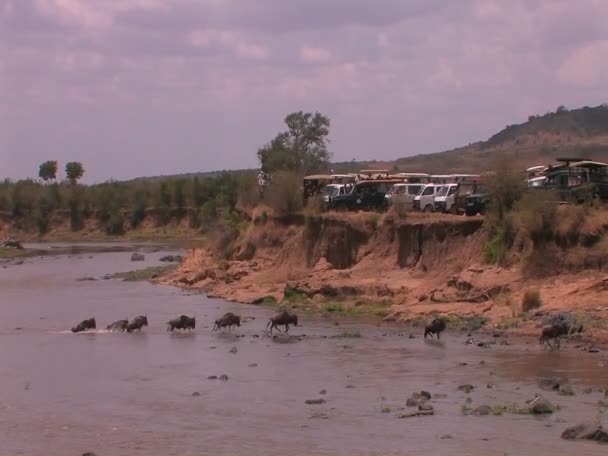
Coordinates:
column 436, row 326
column 282, row 319
column 229, row 319
column 84, row 325
column 181, row 322
column 137, row 323
column 118, row 325
column 556, row 330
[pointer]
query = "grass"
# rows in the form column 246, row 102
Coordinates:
column 473, row 323
column 499, row 410
column 139, row 275
column 358, row 309
column 9, row 254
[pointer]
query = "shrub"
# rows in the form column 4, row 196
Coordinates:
column 284, row 195
column 537, row 216
column 496, row 249
column 506, row 184
column 42, row 219
column 115, row 225
column 75, row 212
column 531, row 300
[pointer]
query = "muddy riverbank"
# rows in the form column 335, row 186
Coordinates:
column 150, row 393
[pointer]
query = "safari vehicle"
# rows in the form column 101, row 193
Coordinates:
column 404, row 194
column 365, row 195
column 577, row 180
column 425, row 201
column 536, row 176
column 445, row 201
column 314, row 184
column 478, row 201
column 414, row 178
column 332, row 190
column 463, row 191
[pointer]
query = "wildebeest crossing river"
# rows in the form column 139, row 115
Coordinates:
column 159, row 393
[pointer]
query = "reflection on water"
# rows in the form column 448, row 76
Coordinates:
column 132, row 394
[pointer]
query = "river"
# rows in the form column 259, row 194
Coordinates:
column 149, row 393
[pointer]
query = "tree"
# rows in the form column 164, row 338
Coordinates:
column 74, row 171
column 560, row 109
column 302, row 148
column 48, row 170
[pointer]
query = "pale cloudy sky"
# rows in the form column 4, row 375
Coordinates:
column 146, row 87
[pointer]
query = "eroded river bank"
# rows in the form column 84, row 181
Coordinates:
column 150, row 393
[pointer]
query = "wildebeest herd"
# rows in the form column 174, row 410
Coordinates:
column 186, row 323
column 559, row 326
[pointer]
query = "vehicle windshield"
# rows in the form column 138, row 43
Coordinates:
column 429, row 190
column 443, row 191
column 453, row 190
column 398, row 190
column 414, row 189
column 331, row 190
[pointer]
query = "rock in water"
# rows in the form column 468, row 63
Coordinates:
column 137, row 257
column 466, row 388
column 591, row 432
column 565, row 390
column 314, row 401
column 549, row 384
column 540, row 406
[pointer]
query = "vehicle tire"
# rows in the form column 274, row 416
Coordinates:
column 428, row 208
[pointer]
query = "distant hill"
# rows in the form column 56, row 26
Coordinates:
column 579, row 132
column 539, row 141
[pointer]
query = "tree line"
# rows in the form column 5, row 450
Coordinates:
column 208, row 202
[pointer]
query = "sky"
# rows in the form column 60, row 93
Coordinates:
column 147, row 87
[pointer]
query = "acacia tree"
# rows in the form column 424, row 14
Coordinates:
column 48, row 170
column 74, row 171
column 302, row 148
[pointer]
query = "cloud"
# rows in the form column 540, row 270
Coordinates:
column 587, row 66
column 311, row 54
column 230, row 40
column 158, row 86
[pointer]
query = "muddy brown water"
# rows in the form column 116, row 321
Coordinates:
column 132, row 394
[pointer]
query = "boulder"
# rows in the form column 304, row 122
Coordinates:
column 548, row 384
column 11, row 244
column 314, row 401
column 539, row 405
column 417, row 399
column 565, row 390
column 425, row 408
column 418, row 413
column 170, row 258
column 466, row 388
column 592, row 432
